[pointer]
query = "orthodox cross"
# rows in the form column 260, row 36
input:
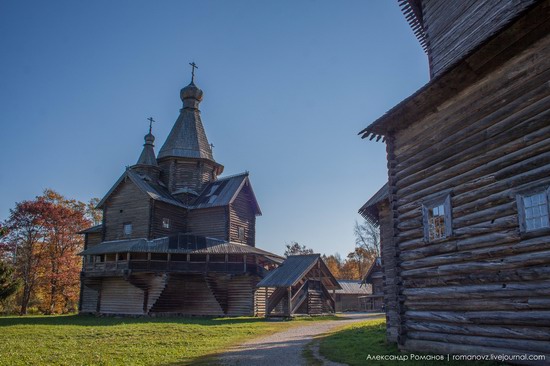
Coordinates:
column 151, row 120
column 193, row 67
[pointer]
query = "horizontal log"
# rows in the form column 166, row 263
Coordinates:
column 510, row 331
column 539, row 318
column 516, row 344
column 494, row 252
column 518, row 289
column 499, row 224
column 536, row 273
column 508, row 304
column 494, row 212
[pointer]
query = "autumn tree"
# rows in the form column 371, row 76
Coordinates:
column 26, row 231
column 334, row 264
column 367, row 237
column 296, row 249
column 44, row 234
column 8, row 283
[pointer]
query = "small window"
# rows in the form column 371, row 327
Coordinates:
column 437, row 219
column 240, row 233
column 128, row 228
column 533, row 210
column 166, row 223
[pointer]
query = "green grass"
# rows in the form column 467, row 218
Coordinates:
column 88, row 340
column 353, row 344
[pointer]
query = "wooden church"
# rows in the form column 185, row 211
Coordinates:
column 175, row 237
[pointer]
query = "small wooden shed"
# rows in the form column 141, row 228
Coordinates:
column 301, row 285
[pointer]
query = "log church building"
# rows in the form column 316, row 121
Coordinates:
column 178, row 239
column 175, row 237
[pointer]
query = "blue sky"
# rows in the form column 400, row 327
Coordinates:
column 287, row 87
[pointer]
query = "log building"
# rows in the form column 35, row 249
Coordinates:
column 465, row 221
column 175, row 238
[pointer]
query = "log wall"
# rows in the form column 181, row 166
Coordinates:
column 211, row 222
column 176, row 215
column 118, row 296
column 186, row 173
column 453, row 29
column 241, row 214
column 127, row 204
column 486, row 287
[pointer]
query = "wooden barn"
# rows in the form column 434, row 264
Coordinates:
column 465, row 222
column 302, row 284
column 352, row 296
column 175, row 237
column 374, row 278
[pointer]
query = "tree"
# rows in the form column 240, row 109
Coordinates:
column 26, row 226
column 334, row 264
column 8, row 283
column 43, row 233
column 295, row 249
column 93, row 214
column 367, row 236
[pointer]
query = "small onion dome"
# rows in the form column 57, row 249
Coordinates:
column 149, row 138
column 191, row 91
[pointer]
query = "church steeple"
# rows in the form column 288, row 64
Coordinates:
column 147, row 161
column 187, row 146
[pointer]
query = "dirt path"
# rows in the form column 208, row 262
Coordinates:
column 285, row 348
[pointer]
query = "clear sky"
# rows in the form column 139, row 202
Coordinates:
column 287, row 87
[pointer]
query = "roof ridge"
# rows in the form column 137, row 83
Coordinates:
column 245, row 173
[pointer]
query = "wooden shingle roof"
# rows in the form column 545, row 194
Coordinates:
column 369, row 210
column 294, row 268
column 223, row 192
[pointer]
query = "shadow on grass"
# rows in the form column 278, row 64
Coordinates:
column 354, row 344
column 98, row 321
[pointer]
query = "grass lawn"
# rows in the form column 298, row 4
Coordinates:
column 353, row 344
column 88, row 340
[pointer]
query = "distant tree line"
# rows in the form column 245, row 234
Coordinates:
column 39, row 246
column 356, row 263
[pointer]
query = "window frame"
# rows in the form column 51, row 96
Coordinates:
column 166, row 223
column 124, row 225
column 240, row 229
column 442, row 199
column 522, row 219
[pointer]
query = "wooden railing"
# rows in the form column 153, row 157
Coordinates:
column 175, row 266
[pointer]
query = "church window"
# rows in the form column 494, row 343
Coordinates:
column 437, row 218
column 128, row 228
column 533, row 210
column 240, row 233
column 166, row 223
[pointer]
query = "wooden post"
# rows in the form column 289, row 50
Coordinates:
column 168, row 264
column 116, row 261
column 289, row 301
column 266, row 302
column 244, row 263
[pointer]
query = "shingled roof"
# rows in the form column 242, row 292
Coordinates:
column 164, row 245
column 146, row 185
column 223, row 192
column 369, row 210
column 294, row 268
column 187, row 138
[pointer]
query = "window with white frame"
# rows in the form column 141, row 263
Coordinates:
column 166, row 223
column 533, row 210
column 437, row 218
column 127, row 228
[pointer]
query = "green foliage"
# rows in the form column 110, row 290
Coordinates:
column 353, row 344
column 296, row 249
column 89, row 340
column 8, row 283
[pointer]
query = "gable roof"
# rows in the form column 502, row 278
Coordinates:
column 375, row 271
column 224, row 191
column 152, row 189
column 369, row 210
column 353, row 287
column 93, row 229
column 293, row 269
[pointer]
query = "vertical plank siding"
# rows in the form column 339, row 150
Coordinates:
column 127, row 204
column 486, row 287
column 211, row 222
column 242, row 215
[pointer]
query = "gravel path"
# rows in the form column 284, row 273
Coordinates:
column 285, row 348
